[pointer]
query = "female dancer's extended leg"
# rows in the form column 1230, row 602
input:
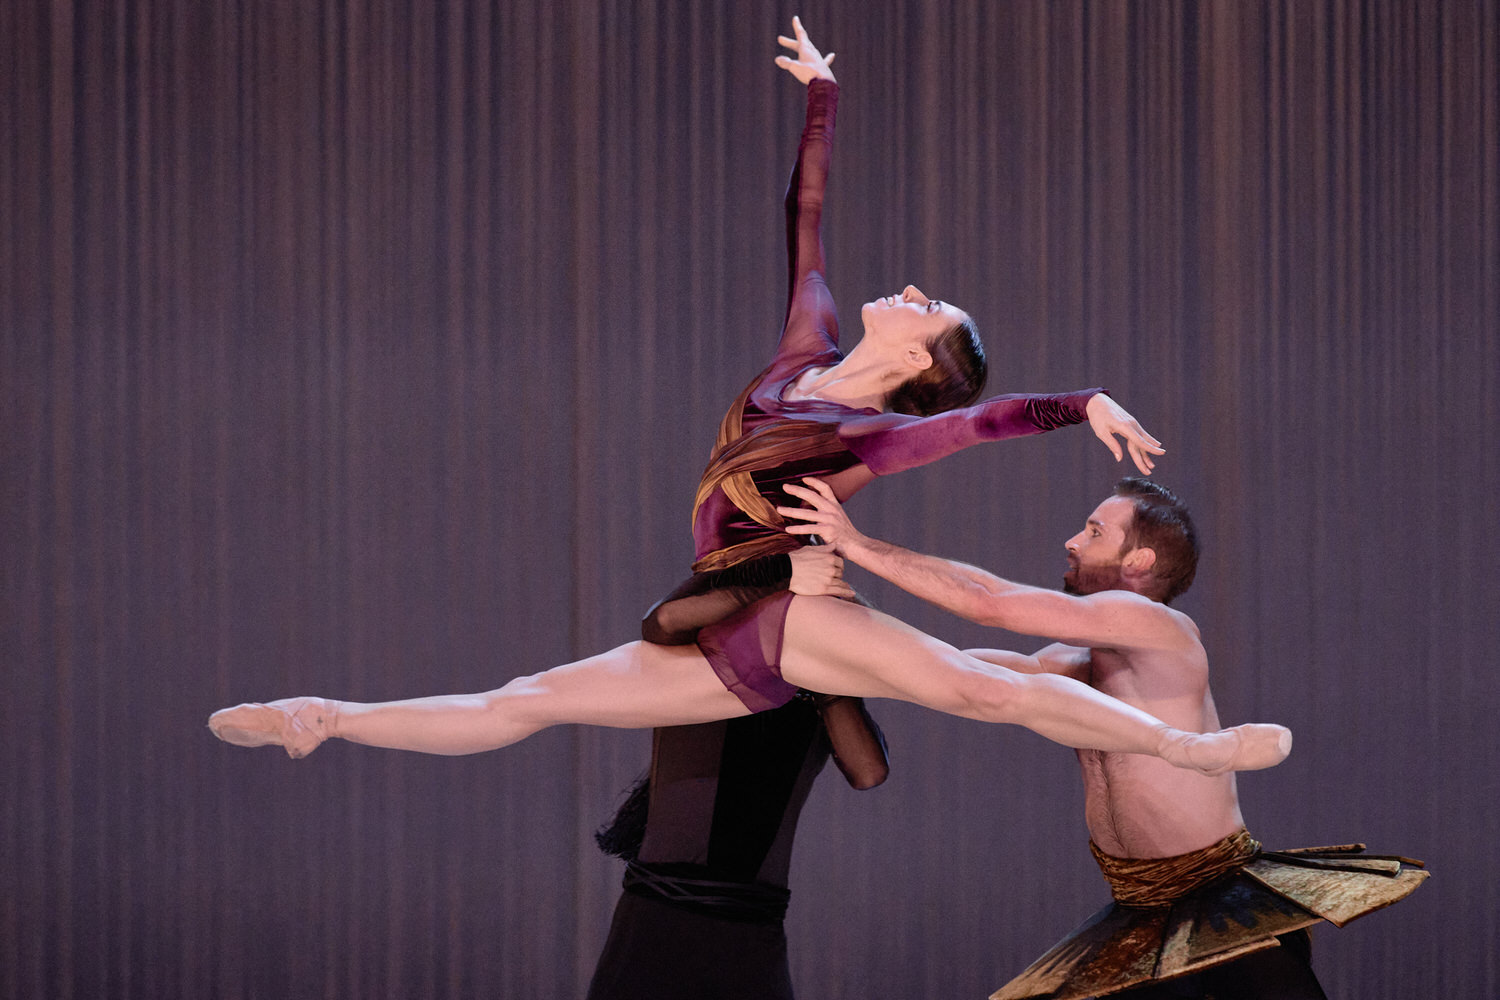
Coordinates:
column 634, row 686
column 830, row 645
column 833, row 645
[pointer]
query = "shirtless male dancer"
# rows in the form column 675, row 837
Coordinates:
column 1161, row 835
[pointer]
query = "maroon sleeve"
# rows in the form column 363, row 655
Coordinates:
column 811, row 320
column 892, row 442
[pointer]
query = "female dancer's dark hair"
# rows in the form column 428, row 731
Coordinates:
column 955, row 378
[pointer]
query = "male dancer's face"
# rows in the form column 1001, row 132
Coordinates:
column 1096, row 553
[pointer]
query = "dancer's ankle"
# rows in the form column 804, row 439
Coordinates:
column 331, row 712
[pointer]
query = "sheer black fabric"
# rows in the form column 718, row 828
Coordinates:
column 855, row 739
column 705, row 598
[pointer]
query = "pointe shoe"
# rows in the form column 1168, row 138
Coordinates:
column 1250, row 747
column 299, row 725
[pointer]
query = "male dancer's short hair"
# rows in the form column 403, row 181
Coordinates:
column 1161, row 523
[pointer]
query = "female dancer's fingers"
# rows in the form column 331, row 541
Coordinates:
column 808, row 64
column 1108, row 437
column 1141, row 459
column 1134, row 430
column 808, row 48
column 1142, row 446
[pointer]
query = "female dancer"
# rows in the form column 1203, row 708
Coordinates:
column 812, row 412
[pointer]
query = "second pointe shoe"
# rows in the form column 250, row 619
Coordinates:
column 299, row 725
column 1249, row 747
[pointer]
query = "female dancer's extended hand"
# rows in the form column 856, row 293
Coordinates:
column 1109, row 418
column 810, row 64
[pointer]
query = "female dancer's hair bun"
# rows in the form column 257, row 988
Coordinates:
column 955, row 378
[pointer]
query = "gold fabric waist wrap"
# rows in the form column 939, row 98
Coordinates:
column 1148, row 882
column 737, row 455
column 755, row 548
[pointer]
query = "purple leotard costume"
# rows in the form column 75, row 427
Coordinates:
column 767, row 441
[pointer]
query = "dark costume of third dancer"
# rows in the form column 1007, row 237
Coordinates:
column 708, row 858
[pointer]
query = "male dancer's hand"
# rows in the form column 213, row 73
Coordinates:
column 810, row 64
column 824, row 515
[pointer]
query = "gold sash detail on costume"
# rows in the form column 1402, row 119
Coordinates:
column 736, row 455
column 755, row 548
column 1147, row 882
column 731, row 429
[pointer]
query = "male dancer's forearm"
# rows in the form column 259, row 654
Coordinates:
column 964, row 590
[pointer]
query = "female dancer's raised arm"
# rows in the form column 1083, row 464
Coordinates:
column 898, row 400
column 813, row 411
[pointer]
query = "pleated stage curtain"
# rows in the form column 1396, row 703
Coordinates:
column 373, row 350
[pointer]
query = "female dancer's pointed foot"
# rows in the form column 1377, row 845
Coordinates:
column 1250, row 747
column 297, row 724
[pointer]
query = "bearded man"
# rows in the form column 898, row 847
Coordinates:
column 1200, row 910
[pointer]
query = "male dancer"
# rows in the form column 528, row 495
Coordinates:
column 1172, row 844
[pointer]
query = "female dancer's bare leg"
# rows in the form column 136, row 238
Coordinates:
column 834, row 645
column 635, row 686
column 830, row 645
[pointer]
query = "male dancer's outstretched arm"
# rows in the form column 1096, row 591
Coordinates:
column 1116, row 618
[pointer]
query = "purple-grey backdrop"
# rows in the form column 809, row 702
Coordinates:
column 374, row 350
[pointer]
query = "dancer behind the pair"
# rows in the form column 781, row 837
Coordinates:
column 759, row 656
column 1162, row 836
column 707, row 840
column 706, row 881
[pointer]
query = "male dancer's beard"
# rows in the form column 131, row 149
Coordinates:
column 1084, row 580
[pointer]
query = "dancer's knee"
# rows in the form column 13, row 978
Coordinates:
column 520, row 701
column 992, row 695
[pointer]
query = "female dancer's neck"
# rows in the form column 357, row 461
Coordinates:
column 854, row 382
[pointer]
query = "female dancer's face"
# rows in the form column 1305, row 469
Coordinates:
column 909, row 316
